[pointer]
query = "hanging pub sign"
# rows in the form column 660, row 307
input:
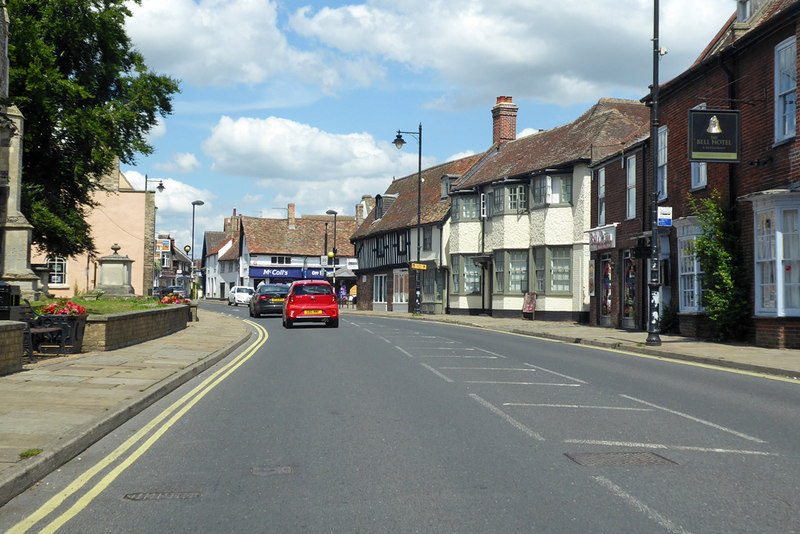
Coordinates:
column 715, row 135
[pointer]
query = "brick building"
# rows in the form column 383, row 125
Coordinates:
column 749, row 67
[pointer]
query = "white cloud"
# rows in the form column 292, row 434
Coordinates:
column 224, row 42
column 276, row 149
column 560, row 52
column 181, row 163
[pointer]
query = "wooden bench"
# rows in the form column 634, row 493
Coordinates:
column 39, row 330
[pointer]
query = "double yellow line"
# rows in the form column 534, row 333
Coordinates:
column 154, row 429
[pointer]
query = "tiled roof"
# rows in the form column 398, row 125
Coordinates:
column 213, row 240
column 604, row 129
column 233, row 252
column 307, row 238
column 216, row 249
column 403, row 211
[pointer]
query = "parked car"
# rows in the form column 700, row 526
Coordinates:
column 178, row 291
column 240, row 295
column 310, row 300
column 268, row 298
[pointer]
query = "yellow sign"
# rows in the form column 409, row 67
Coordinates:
column 419, row 266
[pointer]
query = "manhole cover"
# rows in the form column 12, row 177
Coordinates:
column 267, row 471
column 163, row 495
column 602, row 459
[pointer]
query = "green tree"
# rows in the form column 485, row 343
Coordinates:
column 724, row 295
column 87, row 98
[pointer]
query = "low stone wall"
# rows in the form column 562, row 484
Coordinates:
column 116, row 330
column 11, row 346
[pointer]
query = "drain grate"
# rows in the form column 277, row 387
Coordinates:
column 603, row 459
column 268, row 471
column 163, row 496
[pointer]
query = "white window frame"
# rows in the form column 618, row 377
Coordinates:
column 601, row 197
column 774, row 269
column 57, row 266
column 663, row 138
column 400, row 287
column 785, row 93
column 472, row 277
column 379, row 289
column 690, row 273
column 630, row 187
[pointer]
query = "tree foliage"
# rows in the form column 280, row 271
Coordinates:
column 716, row 248
column 87, row 98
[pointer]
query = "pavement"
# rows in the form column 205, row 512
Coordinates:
column 62, row 405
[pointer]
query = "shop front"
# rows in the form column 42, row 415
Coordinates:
column 283, row 275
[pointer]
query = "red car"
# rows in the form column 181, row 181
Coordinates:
column 311, row 300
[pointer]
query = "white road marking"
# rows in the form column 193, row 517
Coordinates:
column 491, row 369
column 465, row 357
column 437, row 373
column 507, row 418
column 581, row 406
column 557, row 374
column 659, row 519
column 490, row 352
column 662, row 446
column 403, row 351
column 695, row 419
column 521, row 383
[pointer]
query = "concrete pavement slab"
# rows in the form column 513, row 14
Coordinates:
column 62, row 405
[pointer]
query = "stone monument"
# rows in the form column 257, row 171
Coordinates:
column 115, row 275
column 15, row 230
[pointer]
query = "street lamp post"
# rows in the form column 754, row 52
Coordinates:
column 399, row 142
column 160, row 189
column 332, row 252
column 195, row 203
column 654, row 284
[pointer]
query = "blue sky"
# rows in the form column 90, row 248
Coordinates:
column 285, row 101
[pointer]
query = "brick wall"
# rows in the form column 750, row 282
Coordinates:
column 10, row 347
column 113, row 331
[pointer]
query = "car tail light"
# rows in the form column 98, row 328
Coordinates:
column 263, row 297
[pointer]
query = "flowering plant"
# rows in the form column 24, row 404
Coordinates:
column 174, row 300
column 62, row 308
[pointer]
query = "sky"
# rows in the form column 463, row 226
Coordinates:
column 299, row 102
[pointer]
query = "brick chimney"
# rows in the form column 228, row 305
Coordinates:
column 290, row 215
column 504, row 120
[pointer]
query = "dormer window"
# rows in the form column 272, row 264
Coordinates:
column 744, row 9
column 378, row 207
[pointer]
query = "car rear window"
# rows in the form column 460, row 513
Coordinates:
column 313, row 289
column 273, row 289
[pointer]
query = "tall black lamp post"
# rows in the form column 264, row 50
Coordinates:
column 653, row 327
column 399, row 142
column 195, row 203
column 332, row 252
column 160, row 189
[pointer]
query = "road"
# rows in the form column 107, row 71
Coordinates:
column 394, row 425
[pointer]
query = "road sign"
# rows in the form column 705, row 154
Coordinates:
column 664, row 216
column 419, row 266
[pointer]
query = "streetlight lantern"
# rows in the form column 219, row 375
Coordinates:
column 195, row 203
column 160, row 185
column 399, row 142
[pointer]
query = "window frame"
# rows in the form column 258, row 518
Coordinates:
column 379, row 289
column 663, row 143
column 499, row 271
column 427, row 238
column 544, row 275
column 773, row 268
column 400, row 291
column 783, row 110
column 699, row 168
column 630, row 187
column 601, row 196
column 53, row 264
column 690, row 272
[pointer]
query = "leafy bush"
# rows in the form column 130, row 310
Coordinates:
column 725, row 298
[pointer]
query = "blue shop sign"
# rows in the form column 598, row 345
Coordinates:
column 285, row 273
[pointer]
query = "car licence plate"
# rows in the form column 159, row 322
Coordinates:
column 278, row 300
column 313, row 312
